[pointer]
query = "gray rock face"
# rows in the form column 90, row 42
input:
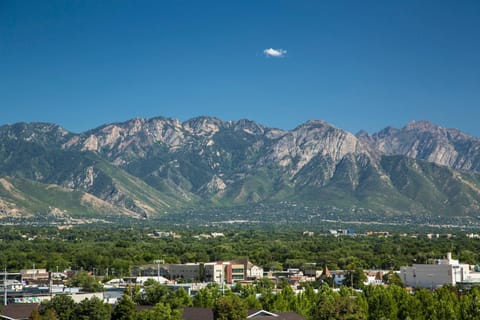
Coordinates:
column 291, row 150
column 296, row 148
column 145, row 165
column 426, row 141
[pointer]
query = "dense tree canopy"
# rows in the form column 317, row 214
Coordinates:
column 113, row 252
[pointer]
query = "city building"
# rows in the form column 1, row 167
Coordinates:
column 30, row 276
column 219, row 272
column 150, row 270
column 442, row 272
column 187, row 271
column 235, row 272
column 214, row 272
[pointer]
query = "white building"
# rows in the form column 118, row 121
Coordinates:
column 255, row 272
column 142, row 280
column 446, row 271
column 214, row 272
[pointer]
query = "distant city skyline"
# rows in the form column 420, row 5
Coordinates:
column 357, row 65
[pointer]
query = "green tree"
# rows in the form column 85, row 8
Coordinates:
column 267, row 299
column 50, row 315
column 91, row 309
column 264, row 285
column 447, row 305
column 161, row 311
column 426, row 304
column 62, row 305
column 470, row 305
column 251, row 302
column 355, row 278
column 125, row 309
column 179, row 298
column 344, row 306
column 86, row 282
column 326, row 308
column 35, row 315
column 285, row 300
column 154, row 293
column 355, row 305
column 230, row 307
column 392, row 278
column 403, row 300
column 206, row 297
column 381, row 303
column 305, row 302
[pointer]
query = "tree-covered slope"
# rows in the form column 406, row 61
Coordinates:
column 148, row 166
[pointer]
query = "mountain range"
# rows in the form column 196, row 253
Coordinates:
column 144, row 167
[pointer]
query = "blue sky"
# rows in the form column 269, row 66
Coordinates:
column 356, row 64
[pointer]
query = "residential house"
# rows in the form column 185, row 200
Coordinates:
column 190, row 313
column 266, row 315
column 193, row 313
column 18, row 311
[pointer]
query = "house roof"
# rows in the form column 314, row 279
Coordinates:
column 266, row 315
column 18, row 311
column 194, row 313
column 190, row 313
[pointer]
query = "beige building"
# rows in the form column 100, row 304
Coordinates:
column 214, row 272
column 218, row 272
column 34, row 275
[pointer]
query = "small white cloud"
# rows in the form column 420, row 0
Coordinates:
column 277, row 53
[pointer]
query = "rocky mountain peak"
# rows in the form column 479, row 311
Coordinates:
column 313, row 139
column 314, row 123
column 39, row 132
column 203, row 126
column 146, row 165
column 248, row 126
column 421, row 125
column 386, row 132
column 365, row 136
column 427, row 141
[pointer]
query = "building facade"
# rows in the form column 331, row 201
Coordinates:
column 442, row 272
column 218, row 272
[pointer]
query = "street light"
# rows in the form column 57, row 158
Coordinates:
column 158, row 262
